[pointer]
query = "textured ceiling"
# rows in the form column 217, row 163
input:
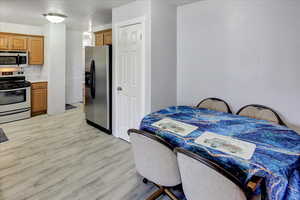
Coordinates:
column 80, row 13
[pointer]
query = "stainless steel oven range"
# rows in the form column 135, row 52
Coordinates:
column 15, row 99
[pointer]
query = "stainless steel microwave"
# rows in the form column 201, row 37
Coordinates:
column 13, row 59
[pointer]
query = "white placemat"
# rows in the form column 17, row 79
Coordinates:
column 174, row 126
column 227, row 145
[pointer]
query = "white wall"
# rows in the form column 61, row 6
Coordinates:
column 21, row 29
column 130, row 11
column 55, row 35
column 242, row 51
column 102, row 27
column 74, row 66
column 163, row 54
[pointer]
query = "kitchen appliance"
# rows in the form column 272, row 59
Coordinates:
column 15, row 99
column 13, row 59
column 98, row 87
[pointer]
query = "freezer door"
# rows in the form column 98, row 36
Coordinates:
column 97, row 86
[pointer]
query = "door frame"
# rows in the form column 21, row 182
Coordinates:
column 116, row 27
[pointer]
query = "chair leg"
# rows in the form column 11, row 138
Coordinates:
column 170, row 194
column 156, row 194
column 160, row 191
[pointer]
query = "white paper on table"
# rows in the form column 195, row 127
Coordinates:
column 227, row 145
column 173, row 126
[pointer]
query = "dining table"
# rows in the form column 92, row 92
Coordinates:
column 276, row 157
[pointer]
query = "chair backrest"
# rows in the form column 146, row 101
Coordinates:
column 154, row 158
column 203, row 179
column 260, row 112
column 215, row 104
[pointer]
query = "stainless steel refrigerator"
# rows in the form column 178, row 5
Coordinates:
column 98, row 87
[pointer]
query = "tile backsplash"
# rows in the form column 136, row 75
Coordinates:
column 35, row 73
column 32, row 73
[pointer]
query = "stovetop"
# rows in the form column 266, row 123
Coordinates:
column 9, row 83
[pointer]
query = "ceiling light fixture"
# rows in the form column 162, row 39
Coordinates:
column 55, row 17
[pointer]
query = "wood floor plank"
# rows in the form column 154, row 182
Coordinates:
column 62, row 158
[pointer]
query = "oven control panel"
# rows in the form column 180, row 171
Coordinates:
column 16, row 73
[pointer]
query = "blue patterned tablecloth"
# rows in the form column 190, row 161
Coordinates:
column 277, row 154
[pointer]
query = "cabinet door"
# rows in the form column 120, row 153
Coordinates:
column 108, row 37
column 18, row 43
column 99, row 39
column 36, row 50
column 39, row 101
column 4, row 42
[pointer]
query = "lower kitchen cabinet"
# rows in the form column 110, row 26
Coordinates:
column 39, row 98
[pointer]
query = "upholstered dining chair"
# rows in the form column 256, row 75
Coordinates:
column 155, row 161
column 213, row 103
column 203, row 179
column 260, row 112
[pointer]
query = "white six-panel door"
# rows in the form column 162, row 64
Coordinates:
column 129, row 79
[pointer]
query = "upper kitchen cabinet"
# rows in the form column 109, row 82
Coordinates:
column 99, row 39
column 103, row 37
column 17, row 42
column 36, row 50
column 4, row 42
column 107, row 40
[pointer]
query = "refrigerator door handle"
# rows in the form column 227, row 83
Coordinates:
column 87, row 79
column 108, row 89
column 93, row 79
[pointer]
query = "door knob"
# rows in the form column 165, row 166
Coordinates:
column 119, row 88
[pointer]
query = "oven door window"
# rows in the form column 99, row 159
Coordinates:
column 8, row 60
column 12, row 97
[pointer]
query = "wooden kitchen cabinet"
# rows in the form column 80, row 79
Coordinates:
column 107, row 40
column 99, row 39
column 17, row 42
column 103, row 37
column 39, row 98
column 36, row 50
column 4, row 42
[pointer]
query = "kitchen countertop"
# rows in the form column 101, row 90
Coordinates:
column 37, row 81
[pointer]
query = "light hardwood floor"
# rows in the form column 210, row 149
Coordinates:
column 61, row 157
